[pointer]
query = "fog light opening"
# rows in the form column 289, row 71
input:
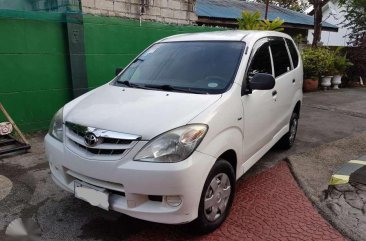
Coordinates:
column 155, row 198
column 174, row 201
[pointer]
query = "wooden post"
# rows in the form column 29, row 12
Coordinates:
column 13, row 124
column 266, row 14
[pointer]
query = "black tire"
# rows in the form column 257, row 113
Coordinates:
column 287, row 141
column 202, row 224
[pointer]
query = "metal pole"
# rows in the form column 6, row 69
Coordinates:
column 266, row 14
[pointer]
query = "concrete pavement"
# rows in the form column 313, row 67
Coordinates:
column 326, row 116
column 313, row 170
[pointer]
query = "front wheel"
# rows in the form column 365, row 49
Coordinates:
column 288, row 140
column 216, row 198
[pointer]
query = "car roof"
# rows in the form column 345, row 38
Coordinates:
column 228, row 35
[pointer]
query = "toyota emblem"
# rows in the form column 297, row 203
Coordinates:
column 90, row 139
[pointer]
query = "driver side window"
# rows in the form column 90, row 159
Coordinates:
column 261, row 62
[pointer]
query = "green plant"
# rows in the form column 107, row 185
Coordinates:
column 249, row 20
column 355, row 20
column 317, row 62
column 274, row 25
column 299, row 39
column 341, row 63
column 252, row 21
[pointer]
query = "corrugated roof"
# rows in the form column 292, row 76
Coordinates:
column 231, row 9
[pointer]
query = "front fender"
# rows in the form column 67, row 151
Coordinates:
column 225, row 121
column 228, row 139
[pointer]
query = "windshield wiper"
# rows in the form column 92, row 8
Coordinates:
column 132, row 85
column 124, row 82
column 173, row 88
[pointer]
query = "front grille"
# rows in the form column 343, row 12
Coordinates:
column 101, row 151
column 107, row 143
column 116, row 141
column 77, row 132
column 105, row 139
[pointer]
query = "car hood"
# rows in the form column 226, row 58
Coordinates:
column 147, row 113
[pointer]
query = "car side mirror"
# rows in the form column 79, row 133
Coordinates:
column 118, row 70
column 261, row 81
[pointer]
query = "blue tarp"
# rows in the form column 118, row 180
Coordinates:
column 231, row 9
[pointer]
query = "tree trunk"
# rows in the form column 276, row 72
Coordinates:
column 318, row 18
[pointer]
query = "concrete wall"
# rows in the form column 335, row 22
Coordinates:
column 164, row 11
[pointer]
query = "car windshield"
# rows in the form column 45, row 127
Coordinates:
column 196, row 67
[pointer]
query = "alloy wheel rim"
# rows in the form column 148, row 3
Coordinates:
column 217, row 197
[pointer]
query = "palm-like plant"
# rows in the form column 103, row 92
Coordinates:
column 341, row 62
column 249, row 20
column 252, row 21
column 275, row 25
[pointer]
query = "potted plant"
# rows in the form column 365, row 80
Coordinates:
column 317, row 62
column 341, row 63
column 311, row 79
column 326, row 64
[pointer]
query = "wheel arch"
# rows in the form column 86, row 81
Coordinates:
column 297, row 108
column 231, row 157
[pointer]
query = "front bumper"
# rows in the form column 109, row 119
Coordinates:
column 132, row 183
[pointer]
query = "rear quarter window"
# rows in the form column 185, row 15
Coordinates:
column 293, row 52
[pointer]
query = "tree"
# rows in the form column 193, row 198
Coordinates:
column 355, row 20
column 318, row 18
column 355, row 16
column 302, row 5
column 296, row 5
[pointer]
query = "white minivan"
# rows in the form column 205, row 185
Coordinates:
column 168, row 137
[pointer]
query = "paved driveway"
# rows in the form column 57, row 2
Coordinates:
column 325, row 117
column 259, row 211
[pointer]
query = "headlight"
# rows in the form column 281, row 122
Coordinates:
column 173, row 146
column 56, row 128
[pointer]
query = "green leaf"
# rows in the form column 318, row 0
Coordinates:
column 252, row 21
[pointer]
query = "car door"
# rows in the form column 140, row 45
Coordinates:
column 285, row 82
column 258, row 105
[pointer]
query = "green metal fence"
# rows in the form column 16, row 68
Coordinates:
column 35, row 58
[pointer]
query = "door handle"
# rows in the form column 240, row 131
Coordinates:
column 274, row 93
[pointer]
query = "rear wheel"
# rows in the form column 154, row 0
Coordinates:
column 288, row 140
column 217, row 197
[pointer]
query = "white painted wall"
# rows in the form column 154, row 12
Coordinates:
column 335, row 17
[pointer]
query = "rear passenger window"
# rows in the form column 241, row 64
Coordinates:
column 281, row 59
column 293, row 52
column 261, row 62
